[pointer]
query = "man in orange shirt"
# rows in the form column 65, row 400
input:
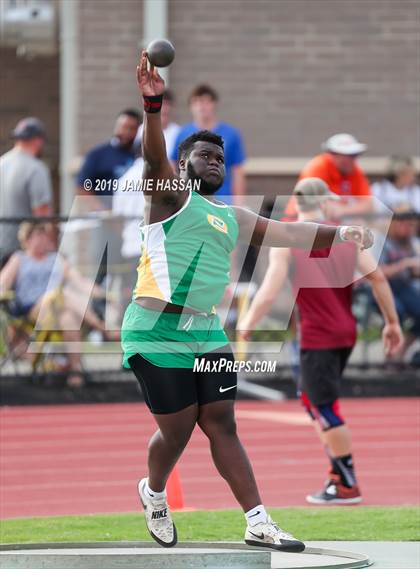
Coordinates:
column 337, row 166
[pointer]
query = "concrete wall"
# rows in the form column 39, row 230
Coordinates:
column 289, row 72
column 110, row 32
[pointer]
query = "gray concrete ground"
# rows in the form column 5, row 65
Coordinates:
column 193, row 555
column 385, row 554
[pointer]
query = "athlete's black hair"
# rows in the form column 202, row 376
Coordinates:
column 203, row 135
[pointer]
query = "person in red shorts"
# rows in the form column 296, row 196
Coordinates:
column 337, row 166
column 327, row 331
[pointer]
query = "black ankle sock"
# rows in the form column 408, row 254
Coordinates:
column 343, row 466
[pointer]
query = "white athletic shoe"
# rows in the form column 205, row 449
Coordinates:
column 158, row 518
column 268, row 534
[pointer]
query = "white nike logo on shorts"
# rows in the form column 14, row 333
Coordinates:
column 223, row 389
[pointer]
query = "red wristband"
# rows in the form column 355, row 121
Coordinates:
column 152, row 104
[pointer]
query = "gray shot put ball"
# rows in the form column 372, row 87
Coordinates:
column 160, row 53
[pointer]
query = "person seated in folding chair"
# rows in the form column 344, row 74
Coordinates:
column 38, row 275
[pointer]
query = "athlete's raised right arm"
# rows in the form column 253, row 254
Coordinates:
column 151, row 86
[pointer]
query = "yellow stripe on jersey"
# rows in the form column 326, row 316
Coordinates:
column 146, row 282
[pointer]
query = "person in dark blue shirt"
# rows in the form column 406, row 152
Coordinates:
column 102, row 167
column 109, row 161
column 203, row 106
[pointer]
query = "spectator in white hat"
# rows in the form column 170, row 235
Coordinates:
column 338, row 167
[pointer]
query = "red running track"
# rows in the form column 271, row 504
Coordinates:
column 87, row 458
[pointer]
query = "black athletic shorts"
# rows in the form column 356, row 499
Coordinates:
column 321, row 372
column 168, row 390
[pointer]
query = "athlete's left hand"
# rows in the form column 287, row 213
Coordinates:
column 362, row 236
column 392, row 338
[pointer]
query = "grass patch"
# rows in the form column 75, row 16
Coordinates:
column 350, row 524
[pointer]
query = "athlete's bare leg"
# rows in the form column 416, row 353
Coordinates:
column 217, row 421
column 168, row 443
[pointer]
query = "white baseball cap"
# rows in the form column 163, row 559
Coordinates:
column 344, row 143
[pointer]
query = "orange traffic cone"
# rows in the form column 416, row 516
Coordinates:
column 174, row 491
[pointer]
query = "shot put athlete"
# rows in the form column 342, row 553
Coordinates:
column 182, row 275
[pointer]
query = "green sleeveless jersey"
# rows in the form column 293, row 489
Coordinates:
column 185, row 259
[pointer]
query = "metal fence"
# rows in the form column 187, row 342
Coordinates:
column 99, row 279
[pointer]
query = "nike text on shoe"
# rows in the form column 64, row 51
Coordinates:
column 158, row 517
column 268, row 534
column 336, row 494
